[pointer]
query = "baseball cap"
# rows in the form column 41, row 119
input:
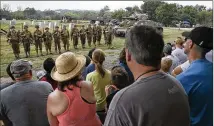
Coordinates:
column 20, row 67
column 202, row 36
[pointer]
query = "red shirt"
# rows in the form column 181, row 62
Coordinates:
column 52, row 82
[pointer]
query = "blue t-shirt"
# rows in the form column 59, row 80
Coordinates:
column 90, row 68
column 197, row 81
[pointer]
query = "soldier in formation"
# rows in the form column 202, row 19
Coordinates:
column 27, row 39
column 104, row 33
column 47, row 40
column 74, row 36
column 109, row 36
column 13, row 39
column 57, row 36
column 94, row 29
column 99, row 34
column 65, row 38
column 38, row 39
column 83, row 36
column 89, row 32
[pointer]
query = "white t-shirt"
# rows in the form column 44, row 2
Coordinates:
column 209, row 56
column 175, row 62
column 185, row 65
column 179, row 53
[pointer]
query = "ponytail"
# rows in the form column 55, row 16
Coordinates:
column 100, row 69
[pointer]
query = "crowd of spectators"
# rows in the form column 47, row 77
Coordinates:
column 153, row 84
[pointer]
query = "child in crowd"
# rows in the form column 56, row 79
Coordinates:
column 120, row 80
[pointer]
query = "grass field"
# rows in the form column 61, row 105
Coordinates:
column 7, row 54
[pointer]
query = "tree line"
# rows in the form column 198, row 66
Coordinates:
column 168, row 14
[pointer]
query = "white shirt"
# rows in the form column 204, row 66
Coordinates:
column 179, row 53
column 185, row 65
column 209, row 56
column 175, row 62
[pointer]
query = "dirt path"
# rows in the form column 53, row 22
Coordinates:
column 111, row 60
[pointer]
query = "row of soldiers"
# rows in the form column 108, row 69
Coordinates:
column 91, row 33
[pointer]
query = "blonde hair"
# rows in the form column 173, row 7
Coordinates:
column 166, row 63
column 179, row 41
column 98, row 57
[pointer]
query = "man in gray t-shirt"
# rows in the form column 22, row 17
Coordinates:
column 155, row 98
column 24, row 103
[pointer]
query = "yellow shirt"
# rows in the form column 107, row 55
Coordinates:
column 99, row 84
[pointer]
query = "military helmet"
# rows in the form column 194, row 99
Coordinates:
column 56, row 26
column 46, row 28
column 36, row 26
column 25, row 26
column 12, row 27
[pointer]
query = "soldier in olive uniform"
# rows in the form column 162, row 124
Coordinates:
column 89, row 32
column 99, row 34
column 74, row 36
column 94, row 29
column 109, row 36
column 38, row 40
column 27, row 39
column 104, row 33
column 47, row 40
column 83, row 36
column 65, row 38
column 57, row 36
column 13, row 39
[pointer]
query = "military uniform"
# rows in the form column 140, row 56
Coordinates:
column 104, row 33
column 83, row 36
column 57, row 36
column 109, row 36
column 38, row 39
column 47, row 40
column 89, row 32
column 13, row 39
column 65, row 38
column 74, row 36
column 27, row 39
column 94, row 29
column 99, row 34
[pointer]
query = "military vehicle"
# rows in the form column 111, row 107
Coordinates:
column 135, row 19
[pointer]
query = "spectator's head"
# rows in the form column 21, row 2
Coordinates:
column 9, row 72
column 88, row 60
column 167, row 50
column 47, row 29
column 68, row 69
column 166, row 63
column 122, row 57
column 199, row 42
column 21, row 70
column 91, row 52
column 98, row 57
column 119, row 77
column 144, row 48
column 179, row 42
column 48, row 65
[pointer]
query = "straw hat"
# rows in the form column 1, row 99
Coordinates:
column 67, row 66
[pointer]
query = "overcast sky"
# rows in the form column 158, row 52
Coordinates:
column 88, row 5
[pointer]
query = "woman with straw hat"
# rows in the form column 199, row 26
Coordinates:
column 99, row 78
column 73, row 102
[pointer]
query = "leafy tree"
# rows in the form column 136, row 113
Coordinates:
column 29, row 12
column 189, row 13
column 119, row 14
column 166, row 13
column 136, row 9
column 149, row 7
column 205, row 18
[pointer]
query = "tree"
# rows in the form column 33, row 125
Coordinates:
column 103, row 11
column 189, row 13
column 6, row 12
column 136, row 9
column 119, row 14
column 166, row 13
column 205, row 18
column 149, row 7
column 30, row 12
column 129, row 10
column 200, row 8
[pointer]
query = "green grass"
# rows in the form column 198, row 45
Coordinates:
column 7, row 55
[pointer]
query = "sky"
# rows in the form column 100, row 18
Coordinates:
column 88, row 5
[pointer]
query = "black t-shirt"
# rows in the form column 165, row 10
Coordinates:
column 110, row 97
